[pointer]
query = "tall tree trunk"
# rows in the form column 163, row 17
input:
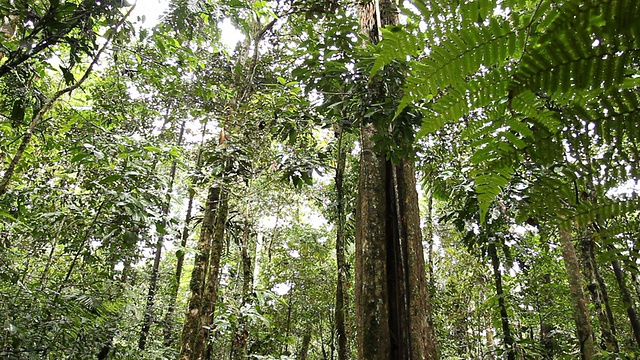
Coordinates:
column 239, row 349
column 198, row 277
column 626, row 298
column 202, row 347
column 184, row 236
column 430, row 237
column 391, row 286
column 578, row 299
column 148, row 313
column 546, row 329
column 598, row 293
column 341, row 294
column 504, row 315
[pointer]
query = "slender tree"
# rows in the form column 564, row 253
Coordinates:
column 578, row 299
column 341, row 293
column 155, row 270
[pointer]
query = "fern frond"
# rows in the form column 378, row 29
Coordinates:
column 397, row 44
column 583, row 48
column 488, row 185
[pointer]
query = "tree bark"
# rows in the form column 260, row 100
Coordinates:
column 598, row 294
column 184, row 236
column 392, row 306
column 578, row 299
column 202, row 345
column 504, row 315
column 239, row 349
column 626, row 299
column 341, row 294
column 304, row 347
column 198, row 277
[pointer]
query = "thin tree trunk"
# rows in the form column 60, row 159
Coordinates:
column 304, row 347
column 504, row 315
column 626, row 299
column 198, row 277
column 148, row 314
column 239, row 349
column 578, row 299
column 430, row 239
column 590, row 268
column 341, row 294
column 546, row 329
column 184, row 236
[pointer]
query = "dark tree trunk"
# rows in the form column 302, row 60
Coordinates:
column 626, row 299
column 304, row 347
column 148, row 314
column 599, row 296
column 578, row 299
column 239, row 349
column 341, row 294
column 546, row 329
column 504, row 315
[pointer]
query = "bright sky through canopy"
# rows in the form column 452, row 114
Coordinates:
column 152, row 10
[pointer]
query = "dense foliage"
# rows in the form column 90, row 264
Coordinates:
column 135, row 153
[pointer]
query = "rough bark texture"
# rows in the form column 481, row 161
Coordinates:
column 391, row 288
column 184, row 236
column 202, row 347
column 198, row 276
column 578, row 299
column 341, row 293
column 372, row 304
column 504, row 315
column 423, row 341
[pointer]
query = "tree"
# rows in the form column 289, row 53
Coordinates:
column 391, row 298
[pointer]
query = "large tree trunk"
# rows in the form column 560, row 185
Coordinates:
column 341, row 293
column 391, row 286
column 198, row 276
column 202, row 347
column 578, row 299
column 504, row 315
